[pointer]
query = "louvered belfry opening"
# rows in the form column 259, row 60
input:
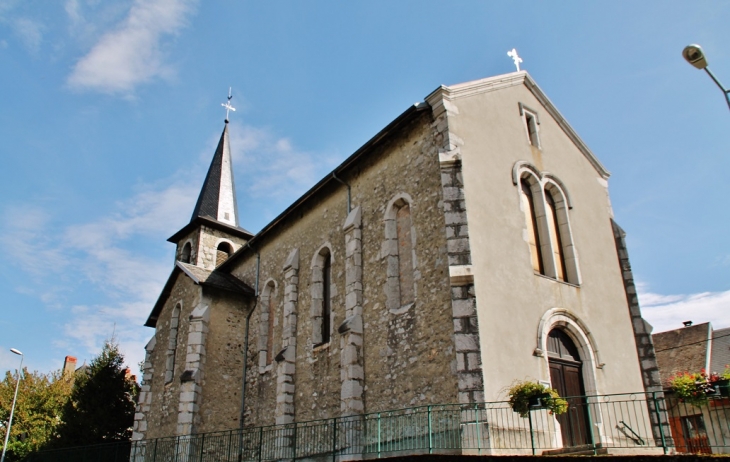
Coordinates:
column 223, row 251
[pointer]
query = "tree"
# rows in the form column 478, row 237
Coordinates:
column 38, row 411
column 101, row 408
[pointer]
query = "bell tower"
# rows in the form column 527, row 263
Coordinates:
column 213, row 233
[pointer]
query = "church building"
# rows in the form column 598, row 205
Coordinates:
column 468, row 244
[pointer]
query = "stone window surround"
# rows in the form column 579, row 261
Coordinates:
column 270, row 287
column 581, row 335
column 530, row 117
column 390, row 249
column 316, row 294
column 539, row 183
column 172, row 343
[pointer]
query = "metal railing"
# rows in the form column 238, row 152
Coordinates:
column 636, row 423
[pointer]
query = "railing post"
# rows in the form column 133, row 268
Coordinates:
column 334, row 438
column 230, row 443
column 659, row 421
column 202, row 441
column 295, row 441
column 378, row 435
column 478, row 428
column 590, row 426
column 532, row 435
column 261, row 442
column 430, row 434
column 154, row 452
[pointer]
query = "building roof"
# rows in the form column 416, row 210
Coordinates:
column 720, row 350
column 213, row 223
column 209, row 279
column 452, row 92
column 682, row 350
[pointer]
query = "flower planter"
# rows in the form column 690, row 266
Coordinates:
column 723, row 387
column 539, row 401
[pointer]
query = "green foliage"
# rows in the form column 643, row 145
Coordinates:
column 693, row 387
column 522, row 391
column 101, row 408
column 38, row 411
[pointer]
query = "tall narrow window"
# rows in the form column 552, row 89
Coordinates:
column 399, row 254
column 185, row 255
column 223, row 252
column 172, row 344
column 555, row 240
column 531, row 122
column 270, row 321
column 326, row 303
column 321, row 292
column 266, row 325
column 533, row 235
column 405, row 255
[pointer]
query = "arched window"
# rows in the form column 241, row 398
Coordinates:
column 223, row 251
column 555, row 239
column 565, row 256
column 185, row 255
column 533, row 233
column 400, row 254
column 545, row 204
column 172, row 344
column 322, row 297
column 267, row 344
column 405, row 255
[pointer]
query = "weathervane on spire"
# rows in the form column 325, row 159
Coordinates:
column 513, row 54
column 228, row 104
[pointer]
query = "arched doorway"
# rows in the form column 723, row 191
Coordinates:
column 566, row 376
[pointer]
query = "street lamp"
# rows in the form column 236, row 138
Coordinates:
column 693, row 54
column 12, row 409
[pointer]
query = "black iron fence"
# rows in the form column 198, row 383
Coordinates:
column 636, row 423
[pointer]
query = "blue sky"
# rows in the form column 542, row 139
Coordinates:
column 110, row 111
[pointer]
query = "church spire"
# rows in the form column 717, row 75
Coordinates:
column 217, row 199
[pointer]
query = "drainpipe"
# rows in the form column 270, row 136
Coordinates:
column 348, row 191
column 245, row 341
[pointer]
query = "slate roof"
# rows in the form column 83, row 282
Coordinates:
column 213, row 223
column 208, row 201
column 681, row 350
column 720, row 350
column 210, row 279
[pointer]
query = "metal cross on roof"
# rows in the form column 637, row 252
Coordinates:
column 228, row 104
column 513, row 54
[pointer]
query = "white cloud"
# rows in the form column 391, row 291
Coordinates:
column 132, row 54
column 273, row 166
column 102, row 255
column 29, row 32
column 667, row 312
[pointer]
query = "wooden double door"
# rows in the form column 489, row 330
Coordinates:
column 566, row 376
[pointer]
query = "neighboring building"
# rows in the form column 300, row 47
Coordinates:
column 469, row 243
column 692, row 349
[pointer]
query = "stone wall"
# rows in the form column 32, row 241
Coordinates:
column 407, row 358
column 220, row 403
column 208, row 242
column 162, row 399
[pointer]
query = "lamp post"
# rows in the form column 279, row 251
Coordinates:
column 693, row 54
column 12, row 409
